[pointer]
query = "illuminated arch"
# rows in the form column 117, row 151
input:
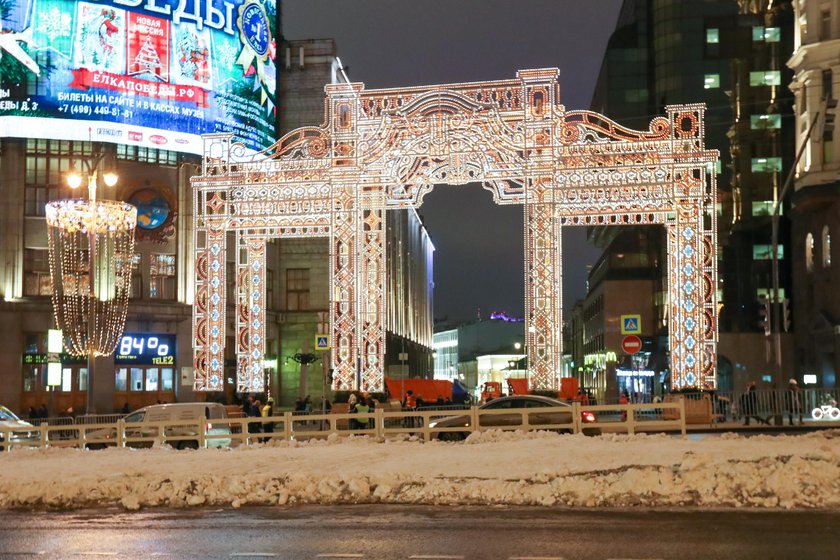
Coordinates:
column 386, row 149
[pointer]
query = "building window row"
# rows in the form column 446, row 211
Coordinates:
column 147, row 155
column 36, row 275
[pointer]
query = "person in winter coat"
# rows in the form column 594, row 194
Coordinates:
column 793, row 401
column 749, row 405
column 267, row 411
column 361, row 407
column 623, row 399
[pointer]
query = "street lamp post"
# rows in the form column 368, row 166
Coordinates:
column 91, row 245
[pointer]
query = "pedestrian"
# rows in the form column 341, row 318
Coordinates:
column 409, row 401
column 267, row 411
column 32, row 414
column 251, row 409
column 361, row 407
column 793, row 401
column 623, row 399
column 126, row 409
column 247, row 406
column 749, row 402
column 42, row 411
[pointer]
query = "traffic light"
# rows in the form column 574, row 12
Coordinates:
column 786, row 314
column 764, row 315
column 828, row 119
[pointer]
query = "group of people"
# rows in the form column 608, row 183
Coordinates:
column 792, row 403
column 38, row 413
column 361, row 404
column 253, row 408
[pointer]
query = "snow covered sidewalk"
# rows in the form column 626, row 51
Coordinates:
column 493, row 467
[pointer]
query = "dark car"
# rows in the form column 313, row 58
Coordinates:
column 551, row 416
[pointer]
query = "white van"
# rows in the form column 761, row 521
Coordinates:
column 190, row 413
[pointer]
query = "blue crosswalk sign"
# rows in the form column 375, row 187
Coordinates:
column 322, row 342
column 631, row 324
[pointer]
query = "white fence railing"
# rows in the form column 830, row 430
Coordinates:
column 379, row 423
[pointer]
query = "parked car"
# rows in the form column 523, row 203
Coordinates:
column 25, row 433
column 137, row 425
column 563, row 416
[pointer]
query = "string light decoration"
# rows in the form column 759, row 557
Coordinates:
column 91, row 244
column 386, row 149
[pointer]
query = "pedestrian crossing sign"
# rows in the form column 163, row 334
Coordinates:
column 631, row 324
column 322, row 342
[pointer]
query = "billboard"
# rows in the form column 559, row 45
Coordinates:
column 154, row 73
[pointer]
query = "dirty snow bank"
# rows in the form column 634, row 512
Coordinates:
column 489, row 468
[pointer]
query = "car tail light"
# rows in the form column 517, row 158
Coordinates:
column 588, row 417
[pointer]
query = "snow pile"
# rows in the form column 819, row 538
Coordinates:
column 492, row 467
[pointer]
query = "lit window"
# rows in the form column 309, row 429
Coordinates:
column 765, row 252
column 764, row 293
column 758, row 33
column 713, row 35
column 152, row 379
column 166, row 377
column 121, row 379
column 762, row 122
column 766, row 78
column 297, row 289
column 764, row 208
column 711, row 81
column 162, row 276
column 766, row 164
column 826, row 247
column 136, row 379
column 66, row 380
column 36, row 273
column 809, row 253
column 772, row 34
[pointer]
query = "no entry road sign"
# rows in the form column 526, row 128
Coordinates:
column 631, row 344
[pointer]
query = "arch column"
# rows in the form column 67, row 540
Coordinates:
column 543, row 300
column 250, row 316
column 687, row 296
column 343, row 288
column 372, row 300
column 209, row 307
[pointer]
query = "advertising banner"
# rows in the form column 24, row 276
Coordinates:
column 154, row 73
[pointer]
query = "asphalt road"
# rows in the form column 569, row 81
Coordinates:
column 394, row 533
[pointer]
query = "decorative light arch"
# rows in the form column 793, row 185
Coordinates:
column 386, row 149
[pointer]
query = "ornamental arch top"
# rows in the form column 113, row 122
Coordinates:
column 385, row 149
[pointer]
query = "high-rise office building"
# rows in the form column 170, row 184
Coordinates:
column 730, row 55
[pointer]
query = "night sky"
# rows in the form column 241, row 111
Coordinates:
column 394, row 43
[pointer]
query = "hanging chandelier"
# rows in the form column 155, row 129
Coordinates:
column 91, row 245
